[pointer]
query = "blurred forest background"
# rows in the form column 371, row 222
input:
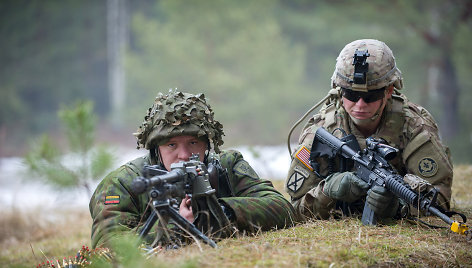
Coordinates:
column 261, row 63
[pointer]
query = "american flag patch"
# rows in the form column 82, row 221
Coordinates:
column 304, row 156
column 112, row 199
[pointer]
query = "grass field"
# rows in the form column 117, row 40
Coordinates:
column 28, row 239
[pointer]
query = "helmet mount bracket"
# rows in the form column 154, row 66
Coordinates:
column 361, row 67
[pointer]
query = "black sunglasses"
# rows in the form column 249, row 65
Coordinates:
column 368, row 97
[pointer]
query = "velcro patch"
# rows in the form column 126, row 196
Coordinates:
column 112, row 199
column 244, row 169
column 304, row 156
column 427, row 167
column 297, row 179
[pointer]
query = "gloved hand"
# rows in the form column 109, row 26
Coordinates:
column 382, row 202
column 345, row 186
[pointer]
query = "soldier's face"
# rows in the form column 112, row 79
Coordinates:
column 180, row 148
column 365, row 110
column 361, row 109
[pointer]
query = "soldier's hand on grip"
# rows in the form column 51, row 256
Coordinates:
column 345, row 186
column 382, row 202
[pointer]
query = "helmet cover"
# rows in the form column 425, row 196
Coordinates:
column 176, row 114
column 381, row 72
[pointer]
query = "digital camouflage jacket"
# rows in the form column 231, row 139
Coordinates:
column 255, row 202
column 404, row 125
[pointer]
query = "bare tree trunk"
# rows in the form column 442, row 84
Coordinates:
column 449, row 94
column 3, row 135
column 117, row 40
column 430, row 91
column 442, row 78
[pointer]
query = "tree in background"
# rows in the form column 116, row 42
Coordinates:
column 440, row 28
column 84, row 164
column 262, row 63
column 232, row 50
column 117, row 39
column 51, row 52
column 431, row 40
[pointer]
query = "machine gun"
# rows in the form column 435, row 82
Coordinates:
column 167, row 188
column 372, row 166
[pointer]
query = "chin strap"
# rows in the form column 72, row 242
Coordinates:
column 155, row 156
column 378, row 112
column 362, row 122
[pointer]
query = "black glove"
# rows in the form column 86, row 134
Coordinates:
column 345, row 187
column 382, row 202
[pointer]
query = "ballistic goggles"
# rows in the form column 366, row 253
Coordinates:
column 368, row 97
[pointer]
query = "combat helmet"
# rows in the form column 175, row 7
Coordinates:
column 178, row 113
column 364, row 65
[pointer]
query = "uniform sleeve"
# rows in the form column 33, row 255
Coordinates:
column 426, row 156
column 257, row 205
column 114, row 209
column 302, row 184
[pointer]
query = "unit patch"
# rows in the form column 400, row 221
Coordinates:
column 304, row 156
column 427, row 167
column 112, row 199
column 244, row 169
column 297, row 179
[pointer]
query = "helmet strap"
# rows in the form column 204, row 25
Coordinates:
column 207, row 152
column 378, row 112
column 155, row 156
column 368, row 121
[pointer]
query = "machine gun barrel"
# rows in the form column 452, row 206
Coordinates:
column 141, row 184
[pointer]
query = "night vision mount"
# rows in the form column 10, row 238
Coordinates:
column 360, row 66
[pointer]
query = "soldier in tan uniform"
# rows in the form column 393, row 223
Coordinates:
column 365, row 100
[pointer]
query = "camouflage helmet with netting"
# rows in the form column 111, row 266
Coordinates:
column 382, row 69
column 175, row 114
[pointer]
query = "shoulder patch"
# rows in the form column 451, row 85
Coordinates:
column 297, row 179
column 244, row 169
column 304, row 156
column 112, row 199
column 427, row 167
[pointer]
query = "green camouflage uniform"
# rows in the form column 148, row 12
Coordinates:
column 404, row 125
column 254, row 201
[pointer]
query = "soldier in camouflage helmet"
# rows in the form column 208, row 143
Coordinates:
column 365, row 101
column 176, row 126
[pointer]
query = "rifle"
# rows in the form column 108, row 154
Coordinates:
column 372, row 166
column 166, row 188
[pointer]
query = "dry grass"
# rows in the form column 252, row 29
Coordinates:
column 462, row 187
column 27, row 239
column 343, row 243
